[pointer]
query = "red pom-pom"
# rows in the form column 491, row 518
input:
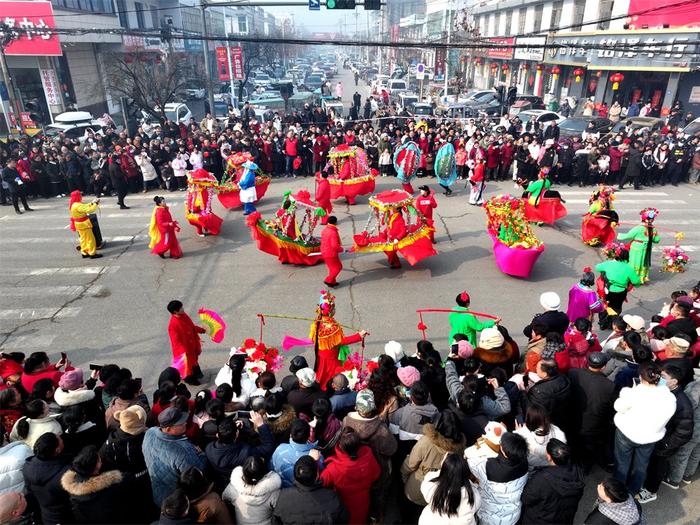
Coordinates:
column 587, row 269
column 372, row 366
column 421, row 327
column 249, row 343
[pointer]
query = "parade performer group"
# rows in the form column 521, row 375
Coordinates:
column 351, row 175
column 200, row 191
column 162, row 231
column 80, row 222
column 407, row 159
column 599, row 224
column 541, row 203
column 641, row 239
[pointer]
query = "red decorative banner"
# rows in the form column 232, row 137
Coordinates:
column 237, row 63
column 36, row 18
column 222, row 64
column 505, row 52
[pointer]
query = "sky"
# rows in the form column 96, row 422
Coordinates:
column 323, row 20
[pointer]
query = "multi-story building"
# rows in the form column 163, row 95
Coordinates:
column 558, row 48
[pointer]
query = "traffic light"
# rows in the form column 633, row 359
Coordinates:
column 340, row 4
column 512, row 93
column 501, row 93
column 34, row 109
column 373, row 5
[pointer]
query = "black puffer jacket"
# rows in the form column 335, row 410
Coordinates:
column 679, row 428
column 552, row 495
column 309, row 506
column 42, row 479
column 554, row 395
column 592, row 398
column 104, row 498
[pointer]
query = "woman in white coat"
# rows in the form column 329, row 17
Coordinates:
column 253, row 492
column 452, row 498
column 143, row 161
column 537, row 431
column 179, row 165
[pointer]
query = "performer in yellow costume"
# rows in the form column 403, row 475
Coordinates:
column 80, row 222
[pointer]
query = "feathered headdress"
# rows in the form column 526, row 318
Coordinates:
column 649, row 214
column 326, row 303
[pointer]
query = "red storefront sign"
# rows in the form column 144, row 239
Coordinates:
column 440, row 61
column 237, row 63
column 505, row 52
column 36, row 18
column 26, row 121
column 657, row 16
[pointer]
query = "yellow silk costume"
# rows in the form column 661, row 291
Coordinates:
column 79, row 213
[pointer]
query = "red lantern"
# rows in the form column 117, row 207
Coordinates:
column 525, row 66
column 494, row 68
column 505, row 68
column 538, row 67
column 616, row 78
column 578, row 73
column 478, row 61
column 555, row 72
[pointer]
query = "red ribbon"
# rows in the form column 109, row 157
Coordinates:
column 262, row 323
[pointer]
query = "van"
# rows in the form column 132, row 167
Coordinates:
column 407, row 100
column 396, row 86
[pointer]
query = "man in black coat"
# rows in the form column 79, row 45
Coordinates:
column 592, row 398
column 553, row 492
column 307, row 502
column 42, row 479
column 553, row 393
column 552, row 318
column 302, row 399
column 10, row 176
column 634, row 167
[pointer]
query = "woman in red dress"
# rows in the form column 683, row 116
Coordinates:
column 162, row 231
column 199, row 197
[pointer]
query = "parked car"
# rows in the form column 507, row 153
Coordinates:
column 692, row 128
column 541, row 116
column 261, row 79
column 74, row 125
column 573, row 127
column 314, row 81
column 406, row 100
column 634, row 124
column 195, row 92
column 526, row 102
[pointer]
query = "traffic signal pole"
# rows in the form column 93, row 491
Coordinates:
column 207, row 76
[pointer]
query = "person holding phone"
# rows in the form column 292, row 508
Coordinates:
column 38, row 366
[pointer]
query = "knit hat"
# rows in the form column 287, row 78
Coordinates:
column 71, row 379
column 132, row 420
column 306, row 377
column 298, row 362
column 550, row 301
column 494, row 432
column 9, row 367
column 464, row 349
column 408, row 375
column 394, row 350
column 491, row 338
column 364, row 402
column 635, row 322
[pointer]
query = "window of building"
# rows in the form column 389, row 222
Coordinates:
column 509, row 21
column 556, row 14
column 243, row 24
column 521, row 21
column 123, row 15
column 155, row 15
column 539, row 23
column 140, row 18
column 604, row 13
column 577, row 19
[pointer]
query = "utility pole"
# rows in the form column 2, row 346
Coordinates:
column 447, row 49
column 207, row 76
column 228, row 58
column 7, row 36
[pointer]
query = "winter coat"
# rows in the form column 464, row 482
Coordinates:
column 281, row 425
column 552, row 494
column 122, row 404
column 300, row 505
column 592, row 398
column 630, row 509
column 634, row 165
column 426, row 455
column 352, row 480
column 375, row 433
column 37, row 428
column 554, row 320
column 500, row 501
column 679, row 428
column 537, row 444
column 643, row 411
column 407, row 422
column 209, row 508
column 254, row 504
column 101, row 498
column 492, row 408
column 12, row 459
column 284, row 458
column 554, row 395
column 343, row 402
column 166, row 458
column 147, row 169
column 466, row 513
column 303, row 398
column 42, row 479
column 223, row 458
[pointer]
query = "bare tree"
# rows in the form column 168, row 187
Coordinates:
column 150, row 81
column 255, row 54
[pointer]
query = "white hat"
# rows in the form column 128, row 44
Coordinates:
column 635, row 322
column 394, row 350
column 550, row 301
column 491, row 338
column 494, row 432
column 306, row 377
column 679, row 344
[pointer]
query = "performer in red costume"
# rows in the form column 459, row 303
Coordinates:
column 328, row 340
column 396, row 230
column 185, row 343
column 425, row 204
column 200, row 190
column 162, row 231
column 330, row 248
column 323, row 195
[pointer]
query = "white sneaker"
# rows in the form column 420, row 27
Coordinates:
column 645, row 496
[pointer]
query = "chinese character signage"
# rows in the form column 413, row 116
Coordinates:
column 534, row 50
column 48, row 80
column 222, row 64
column 625, row 51
column 505, row 52
column 237, row 63
column 34, row 20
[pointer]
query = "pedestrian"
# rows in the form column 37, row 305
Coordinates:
column 205, row 504
column 185, row 343
column 253, row 492
column 118, row 179
column 615, row 505
column 14, row 183
column 331, row 247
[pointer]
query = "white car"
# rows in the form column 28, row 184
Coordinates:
column 192, row 92
column 543, row 116
column 262, row 79
column 74, row 125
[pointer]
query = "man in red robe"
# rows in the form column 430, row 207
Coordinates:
column 425, row 204
column 330, row 248
column 323, row 195
column 396, row 230
column 185, row 343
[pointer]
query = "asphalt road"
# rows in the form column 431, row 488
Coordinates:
column 113, row 309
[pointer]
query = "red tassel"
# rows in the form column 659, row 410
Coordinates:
column 422, row 327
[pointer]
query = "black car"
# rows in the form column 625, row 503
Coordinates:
column 573, row 127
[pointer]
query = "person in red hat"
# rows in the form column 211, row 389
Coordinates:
column 323, row 195
column 466, row 323
column 425, row 204
column 330, row 248
column 200, row 190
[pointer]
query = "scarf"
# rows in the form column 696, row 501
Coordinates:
column 625, row 513
column 551, row 348
column 75, row 196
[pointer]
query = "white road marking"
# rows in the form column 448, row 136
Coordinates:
column 28, row 342
column 46, row 240
column 617, row 194
column 38, row 313
column 618, row 202
column 87, row 270
column 38, row 291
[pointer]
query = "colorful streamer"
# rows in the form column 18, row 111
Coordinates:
column 215, row 325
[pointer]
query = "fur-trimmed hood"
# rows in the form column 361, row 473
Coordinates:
column 76, row 486
column 255, row 494
column 284, row 422
column 440, row 441
column 66, row 398
column 504, row 354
